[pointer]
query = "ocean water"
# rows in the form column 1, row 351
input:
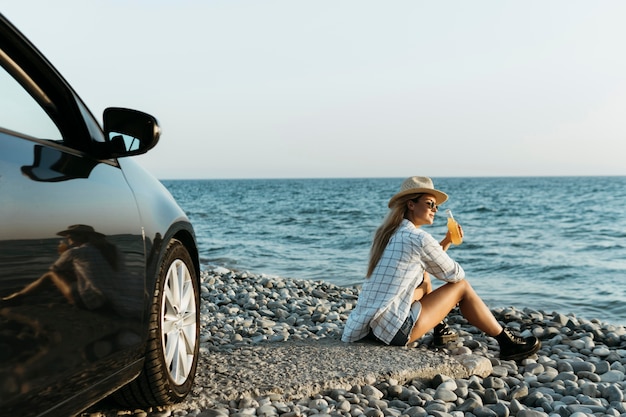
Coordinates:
column 549, row 243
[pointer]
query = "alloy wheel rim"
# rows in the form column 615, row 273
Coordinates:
column 178, row 321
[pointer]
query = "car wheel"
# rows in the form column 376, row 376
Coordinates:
column 173, row 342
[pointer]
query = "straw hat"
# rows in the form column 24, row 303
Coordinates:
column 419, row 185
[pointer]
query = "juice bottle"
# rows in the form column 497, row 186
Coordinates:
column 453, row 227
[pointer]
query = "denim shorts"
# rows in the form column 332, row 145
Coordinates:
column 402, row 336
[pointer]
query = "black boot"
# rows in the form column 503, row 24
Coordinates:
column 442, row 334
column 514, row 347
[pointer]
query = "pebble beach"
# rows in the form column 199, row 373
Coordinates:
column 259, row 336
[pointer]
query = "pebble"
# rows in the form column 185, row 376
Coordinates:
column 579, row 371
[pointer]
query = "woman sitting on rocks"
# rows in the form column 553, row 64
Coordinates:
column 396, row 304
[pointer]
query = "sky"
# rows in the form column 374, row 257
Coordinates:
column 313, row 89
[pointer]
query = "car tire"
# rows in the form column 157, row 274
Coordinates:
column 173, row 340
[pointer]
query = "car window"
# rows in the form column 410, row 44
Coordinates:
column 19, row 112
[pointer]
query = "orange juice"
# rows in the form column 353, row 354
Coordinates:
column 453, row 228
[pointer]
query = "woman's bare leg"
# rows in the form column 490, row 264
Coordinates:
column 29, row 288
column 63, row 286
column 437, row 304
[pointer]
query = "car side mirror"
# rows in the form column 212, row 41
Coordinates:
column 129, row 132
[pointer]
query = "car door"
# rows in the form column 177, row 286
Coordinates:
column 72, row 258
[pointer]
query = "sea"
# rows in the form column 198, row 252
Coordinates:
column 554, row 244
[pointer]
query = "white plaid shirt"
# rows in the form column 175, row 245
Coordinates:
column 385, row 299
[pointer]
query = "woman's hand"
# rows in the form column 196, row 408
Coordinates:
column 447, row 240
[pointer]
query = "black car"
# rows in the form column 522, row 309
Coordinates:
column 99, row 270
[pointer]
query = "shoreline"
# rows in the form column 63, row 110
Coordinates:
column 270, row 346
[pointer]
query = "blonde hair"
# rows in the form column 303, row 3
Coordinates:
column 387, row 229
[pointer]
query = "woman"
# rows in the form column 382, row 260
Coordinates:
column 84, row 271
column 396, row 303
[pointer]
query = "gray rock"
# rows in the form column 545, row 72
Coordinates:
column 566, row 376
column 490, row 396
column 445, row 395
column 416, row 412
column 590, row 376
column 602, row 367
column 469, row 405
column 499, row 371
column 371, row 391
column 483, row 411
column 614, row 394
column 612, row 376
column 493, row 382
column 518, row 392
column 435, row 406
column 601, row 351
column 476, row 365
column 437, row 413
column 500, row 409
column 373, row 412
column 531, row 413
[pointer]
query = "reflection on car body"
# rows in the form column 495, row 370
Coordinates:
column 96, row 314
column 90, row 273
column 52, row 165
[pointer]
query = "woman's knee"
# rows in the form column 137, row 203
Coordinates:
column 458, row 291
column 469, row 290
column 460, row 287
column 463, row 285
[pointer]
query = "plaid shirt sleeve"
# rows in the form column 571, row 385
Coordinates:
column 438, row 263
